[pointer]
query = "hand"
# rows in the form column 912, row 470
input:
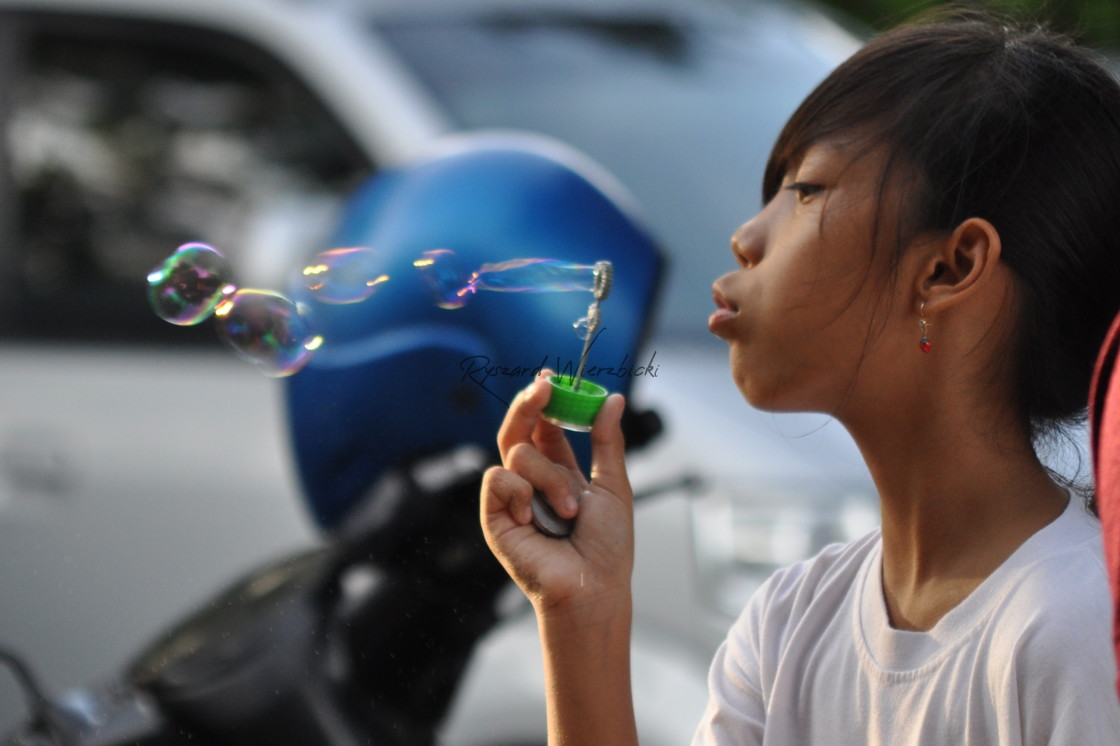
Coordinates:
column 595, row 562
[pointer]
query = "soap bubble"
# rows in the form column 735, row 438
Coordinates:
column 445, row 274
column 267, row 329
column 533, row 276
column 189, row 284
column 453, row 284
column 344, row 275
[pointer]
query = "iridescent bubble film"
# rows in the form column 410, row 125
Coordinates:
column 344, row 275
column 267, row 329
column 189, row 284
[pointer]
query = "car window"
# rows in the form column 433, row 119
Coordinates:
column 683, row 108
column 125, row 140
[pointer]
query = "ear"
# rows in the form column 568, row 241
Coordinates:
column 957, row 266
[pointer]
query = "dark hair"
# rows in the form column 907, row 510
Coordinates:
column 1012, row 124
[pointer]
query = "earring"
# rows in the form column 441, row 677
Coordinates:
column 924, row 344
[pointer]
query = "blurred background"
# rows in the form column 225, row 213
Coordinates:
column 1092, row 22
column 142, row 465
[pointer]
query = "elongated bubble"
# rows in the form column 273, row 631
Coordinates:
column 267, row 329
column 453, row 284
column 346, row 275
column 189, row 284
column 533, row 276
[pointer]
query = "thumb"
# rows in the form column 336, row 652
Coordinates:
column 608, row 447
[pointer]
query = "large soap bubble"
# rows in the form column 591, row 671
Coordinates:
column 189, row 284
column 267, row 329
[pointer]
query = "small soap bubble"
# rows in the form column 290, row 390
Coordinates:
column 346, row 275
column 444, row 272
column 189, row 284
column 267, row 329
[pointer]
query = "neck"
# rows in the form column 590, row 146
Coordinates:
column 959, row 494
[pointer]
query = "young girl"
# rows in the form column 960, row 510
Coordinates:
column 935, row 265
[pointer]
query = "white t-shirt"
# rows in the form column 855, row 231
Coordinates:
column 1026, row 658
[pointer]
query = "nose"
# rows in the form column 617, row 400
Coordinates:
column 747, row 244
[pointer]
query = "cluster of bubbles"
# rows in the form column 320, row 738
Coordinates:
column 270, row 330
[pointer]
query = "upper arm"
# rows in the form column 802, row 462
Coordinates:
column 736, row 711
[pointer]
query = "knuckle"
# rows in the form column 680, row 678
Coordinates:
column 503, row 484
column 493, row 476
column 520, row 455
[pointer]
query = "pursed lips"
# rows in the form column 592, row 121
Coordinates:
column 725, row 312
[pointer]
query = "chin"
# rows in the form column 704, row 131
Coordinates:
column 773, row 389
column 775, row 396
column 766, row 397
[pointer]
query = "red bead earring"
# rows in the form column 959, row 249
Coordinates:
column 924, row 344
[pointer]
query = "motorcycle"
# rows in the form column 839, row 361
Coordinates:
column 359, row 641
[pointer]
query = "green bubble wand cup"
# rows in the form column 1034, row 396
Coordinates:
column 574, row 402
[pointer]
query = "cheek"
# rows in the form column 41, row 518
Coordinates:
column 804, row 353
column 786, row 369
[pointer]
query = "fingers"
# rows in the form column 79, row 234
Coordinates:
column 523, row 415
column 506, row 492
column 608, row 448
column 551, row 441
column 523, row 424
column 541, row 456
column 560, row 485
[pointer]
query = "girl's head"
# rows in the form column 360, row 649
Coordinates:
column 1016, row 126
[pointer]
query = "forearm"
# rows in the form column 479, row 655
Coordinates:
column 579, row 585
column 587, row 674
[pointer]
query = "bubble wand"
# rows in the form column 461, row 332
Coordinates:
column 604, row 275
column 574, row 403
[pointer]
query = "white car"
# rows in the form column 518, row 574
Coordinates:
column 142, row 465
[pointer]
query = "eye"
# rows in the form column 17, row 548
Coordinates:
column 804, row 191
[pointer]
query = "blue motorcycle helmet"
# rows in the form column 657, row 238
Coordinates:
column 398, row 377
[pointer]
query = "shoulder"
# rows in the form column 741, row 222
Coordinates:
column 1062, row 583
column 834, row 567
column 1053, row 638
column 807, row 592
column 1062, row 652
column 1061, row 596
column 1058, row 658
column 799, row 601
